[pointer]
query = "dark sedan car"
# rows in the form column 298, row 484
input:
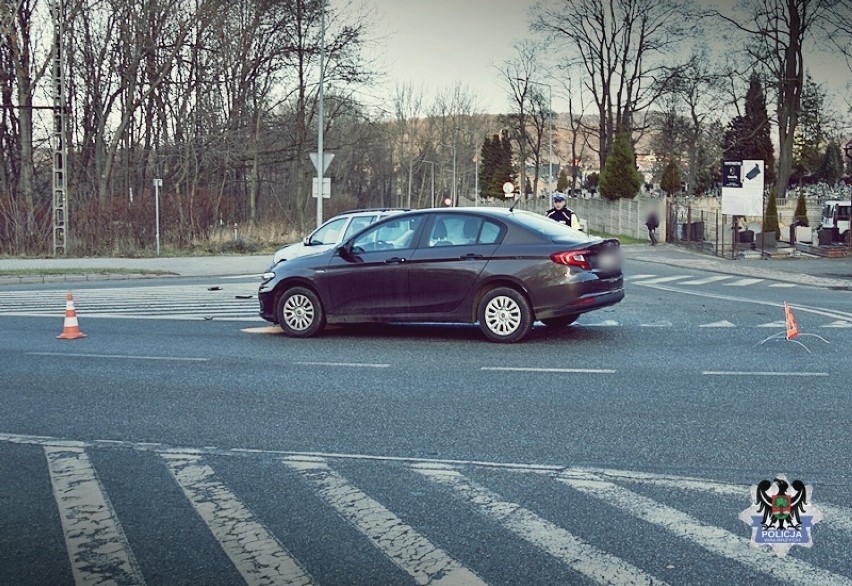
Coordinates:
column 501, row 268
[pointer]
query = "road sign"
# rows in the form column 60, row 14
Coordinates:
column 508, row 187
column 326, row 187
column 326, row 161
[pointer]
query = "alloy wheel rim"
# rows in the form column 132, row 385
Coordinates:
column 298, row 312
column 503, row 315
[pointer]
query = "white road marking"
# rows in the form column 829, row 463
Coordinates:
column 255, row 552
column 836, row 516
column 839, row 324
column 706, row 280
column 743, row 283
column 665, row 279
column 346, row 364
column 718, row 324
column 567, row 370
column 408, row 549
column 580, row 556
column 606, row 323
column 773, row 324
column 96, row 544
column 637, row 277
column 832, row 313
column 657, row 324
column 714, row 539
column 120, row 356
column 759, row 373
column 782, row 285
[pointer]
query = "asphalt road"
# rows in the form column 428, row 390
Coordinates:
column 620, row 450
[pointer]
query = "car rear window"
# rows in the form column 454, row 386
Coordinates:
column 551, row 229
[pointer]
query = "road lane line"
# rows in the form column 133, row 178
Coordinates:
column 345, row 364
column 664, row 279
column 789, row 570
column 742, row 283
column 580, row 556
column 255, row 552
column 120, row 356
column 759, row 373
column 706, row 280
column 96, row 544
column 532, row 369
column 406, row 548
column 832, row 313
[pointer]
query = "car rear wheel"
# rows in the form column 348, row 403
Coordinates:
column 561, row 321
column 504, row 315
column 300, row 313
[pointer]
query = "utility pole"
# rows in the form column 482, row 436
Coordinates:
column 60, row 148
column 321, row 123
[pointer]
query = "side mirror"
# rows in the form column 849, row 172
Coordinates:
column 307, row 241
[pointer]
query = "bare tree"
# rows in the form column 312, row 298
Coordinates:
column 695, row 90
column 778, row 30
column 525, row 97
column 620, row 45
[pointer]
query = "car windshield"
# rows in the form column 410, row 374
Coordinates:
column 328, row 233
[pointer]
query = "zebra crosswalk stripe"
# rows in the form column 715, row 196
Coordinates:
column 405, row 547
column 97, row 546
column 595, row 564
column 255, row 552
column 743, row 283
column 709, row 537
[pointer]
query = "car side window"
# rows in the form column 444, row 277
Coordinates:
column 396, row 234
column 490, row 233
column 357, row 224
column 459, row 230
column 327, row 233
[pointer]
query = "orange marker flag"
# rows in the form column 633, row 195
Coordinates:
column 792, row 328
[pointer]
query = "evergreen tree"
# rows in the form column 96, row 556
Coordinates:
column 770, row 224
column 801, row 215
column 562, row 182
column 670, row 182
column 619, row 177
column 491, row 155
column 810, row 134
column 748, row 136
column 831, row 169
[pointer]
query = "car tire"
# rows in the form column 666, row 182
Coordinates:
column 560, row 322
column 504, row 315
column 300, row 313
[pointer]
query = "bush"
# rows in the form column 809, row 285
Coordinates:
column 770, row 223
column 801, row 215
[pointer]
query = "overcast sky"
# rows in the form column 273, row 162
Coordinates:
column 435, row 43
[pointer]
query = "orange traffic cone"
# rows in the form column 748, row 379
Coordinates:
column 71, row 331
column 792, row 328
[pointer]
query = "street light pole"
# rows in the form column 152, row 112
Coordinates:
column 433, row 181
column 455, row 198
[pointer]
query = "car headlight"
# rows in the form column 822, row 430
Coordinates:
column 267, row 276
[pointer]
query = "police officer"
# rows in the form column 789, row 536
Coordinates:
column 559, row 212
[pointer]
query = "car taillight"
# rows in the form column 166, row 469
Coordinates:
column 573, row 258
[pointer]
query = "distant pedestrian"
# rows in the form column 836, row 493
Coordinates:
column 559, row 212
column 652, row 223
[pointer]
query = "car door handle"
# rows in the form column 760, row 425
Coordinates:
column 471, row 256
column 394, row 260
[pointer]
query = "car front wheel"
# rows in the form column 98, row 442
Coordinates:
column 504, row 315
column 300, row 313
